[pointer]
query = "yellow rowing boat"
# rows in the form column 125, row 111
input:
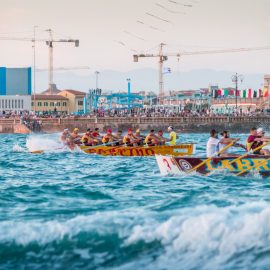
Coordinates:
column 185, row 149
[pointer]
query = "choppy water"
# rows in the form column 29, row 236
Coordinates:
column 64, row 210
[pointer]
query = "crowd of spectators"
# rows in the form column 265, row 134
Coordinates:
column 30, row 118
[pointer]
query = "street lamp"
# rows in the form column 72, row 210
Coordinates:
column 128, row 80
column 235, row 78
column 97, row 73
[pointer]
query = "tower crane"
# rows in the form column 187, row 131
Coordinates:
column 49, row 42
column 164, row 57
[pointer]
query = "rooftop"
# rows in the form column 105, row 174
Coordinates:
column 48, row 97
column 74, row 92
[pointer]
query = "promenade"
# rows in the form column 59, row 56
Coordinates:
column 184, row 124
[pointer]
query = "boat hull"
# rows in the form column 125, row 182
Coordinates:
column 130, row 151
column 180, row 165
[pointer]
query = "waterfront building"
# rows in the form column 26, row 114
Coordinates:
column 98, row 100
column 186, row 100
column 228, row 100
column 50, row 104
column 15, row 81
column 14, row 103
column 76, row 100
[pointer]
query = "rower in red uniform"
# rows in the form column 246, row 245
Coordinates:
column 87, row 138
column 97, row 138
column 256, row 139
column 108, row 137
column 129, row 139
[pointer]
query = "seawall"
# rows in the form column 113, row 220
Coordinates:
column 182, row 124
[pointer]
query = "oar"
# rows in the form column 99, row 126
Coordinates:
column 246, row 154
column 104, row 144
column 265, row 161
column 208, row 159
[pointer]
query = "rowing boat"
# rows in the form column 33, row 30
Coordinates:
column 179, row 165
column 130, row 151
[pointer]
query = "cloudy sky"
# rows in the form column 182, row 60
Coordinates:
column 111, row 31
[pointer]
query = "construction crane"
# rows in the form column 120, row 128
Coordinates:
column 49, row 43
column 164, row 57
column 63, row 68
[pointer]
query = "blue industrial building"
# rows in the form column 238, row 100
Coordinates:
column 15, row 81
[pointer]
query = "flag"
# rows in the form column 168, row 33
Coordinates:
column 249, row 93
column 167, row 70
column 265, row 91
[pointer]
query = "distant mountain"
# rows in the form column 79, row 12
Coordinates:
column 145, row 79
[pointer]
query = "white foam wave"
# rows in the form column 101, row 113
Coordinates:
column 205, row 237
column 18, row 148
column 45, row 142
column 208, row 237
column 25, row 232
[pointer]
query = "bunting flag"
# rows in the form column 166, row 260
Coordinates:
column 265, row 91
column 249, row 93
column 244, row 93
column 225, row 92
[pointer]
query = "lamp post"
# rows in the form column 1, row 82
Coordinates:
column 97, row 73
column 235, row 78
column 128, row 80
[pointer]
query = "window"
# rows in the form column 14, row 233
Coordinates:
column 46, row 104
column 32, row 104
column 51, row 104
column 12, row 106
column 39, row 104
column 64, row 104
column 9, row 104
column 58, row 104
column 15, row 103
column 80, row 103
column 22, row 103
column 3, row 104
column 19, row 104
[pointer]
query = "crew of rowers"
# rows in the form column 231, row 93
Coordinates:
column 254, row 143
column 93, row 138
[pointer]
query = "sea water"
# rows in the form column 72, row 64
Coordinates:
column 69, row 210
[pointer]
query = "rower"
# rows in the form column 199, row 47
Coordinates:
column 65, row 136
column 129, row 139
column 212, row 144
column 162, row 140
column 138, row 137
column 108, row 137
column 256, row 139
column 151, row 139
column 119, row 137
column 75, row 137
column 87, row 138
column 97, row 138
column 173, row 135
column 224, row 141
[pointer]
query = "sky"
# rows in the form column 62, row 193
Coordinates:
column 111, row 31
